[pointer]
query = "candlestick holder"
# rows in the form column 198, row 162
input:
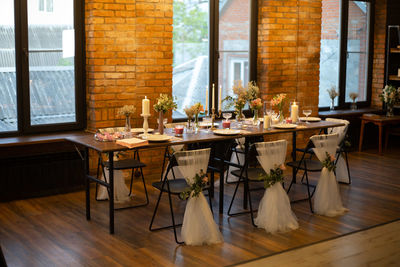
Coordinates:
column 145, row 124
column 213, row 119
column 219, row 113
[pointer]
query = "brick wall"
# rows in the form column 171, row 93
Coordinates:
column 378, row 77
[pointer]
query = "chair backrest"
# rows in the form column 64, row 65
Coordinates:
column 341, row 130
column 271, row 154
column 191, row 162
column 325, row 143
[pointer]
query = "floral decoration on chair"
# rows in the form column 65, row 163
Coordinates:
column 275, row 176
column 200, row 181
column 329, row 162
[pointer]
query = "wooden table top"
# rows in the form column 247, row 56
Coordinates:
column 87, row 139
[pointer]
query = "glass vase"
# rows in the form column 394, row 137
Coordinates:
column 161, row 122
column 196, row 123
column 127, row 127
column 389, row 110
column 332, row 107
column 240, row 116
column 353, row 105
column 281, row 116
column 256, row 121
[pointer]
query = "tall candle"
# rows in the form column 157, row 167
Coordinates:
column 206, row 98
column 146, row 106
column 213, row 97
column 294, row 114
column 267, row 122
column 219, row 97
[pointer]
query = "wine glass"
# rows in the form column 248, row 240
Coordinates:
column 227, row 115
column 207, row 122
column 307, row 112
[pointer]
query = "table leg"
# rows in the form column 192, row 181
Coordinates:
column 361, row 135
column 245, row 195
column 380, row 138
column 111, row 188
column 87, row 182
column 294, row 136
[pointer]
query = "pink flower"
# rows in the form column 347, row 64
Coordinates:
column 332, row 158
column 282, row 167
column 205, row 179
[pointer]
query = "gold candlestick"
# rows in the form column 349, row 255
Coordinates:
column 212, row 119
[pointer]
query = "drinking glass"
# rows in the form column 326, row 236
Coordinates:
column 307, row 112
column 267, row 108
column 227, row 115
column 207, row 122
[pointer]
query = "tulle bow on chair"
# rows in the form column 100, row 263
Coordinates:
column 198, row 226
column 274, row 212
column 327, row 199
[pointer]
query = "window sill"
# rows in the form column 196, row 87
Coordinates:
column 348, row 112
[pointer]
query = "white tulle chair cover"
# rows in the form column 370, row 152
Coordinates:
column 342, row 174
column 274, row 211
column 174, row 170
column 237, row 158
column 327, row 199
column 198, row 226
column 121, row 191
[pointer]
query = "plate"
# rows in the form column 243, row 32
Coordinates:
column 207, row 124
column 226, row 132
column 140, row 130
column 285, row 126
column 310, row 119
column 157, row 137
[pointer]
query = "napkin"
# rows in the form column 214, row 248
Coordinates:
column 132, row 142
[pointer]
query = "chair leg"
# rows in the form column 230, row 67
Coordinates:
column 233, row 197
column 210, row 201
column 250, row 204
column 97, row 176
column 130, row 188
column 309, row 195
column 172, row 215
column 144, row 186
column 347, row 165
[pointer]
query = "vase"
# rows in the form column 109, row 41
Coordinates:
column 332, row 107
column 196, row 123
column 256, row 121
column 389, row 110
column 240, row 116
column 353, row 105
column 127, row 128
column 281, row 116
column 161, row 122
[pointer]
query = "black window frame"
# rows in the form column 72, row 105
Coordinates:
column 344, row 19
column 22, row 73
column 214, row 48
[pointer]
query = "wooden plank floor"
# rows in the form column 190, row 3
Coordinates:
column 377, row 246
column 53, row 231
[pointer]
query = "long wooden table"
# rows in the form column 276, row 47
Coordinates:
column 87, row 140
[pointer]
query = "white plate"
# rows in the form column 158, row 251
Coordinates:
column 140, row 130
column 207, row 124
column 285, row 126
column 226, row 132
column 156, row 137
column 311, row 119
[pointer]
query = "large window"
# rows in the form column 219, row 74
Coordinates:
column 42, row 65
column 212, row 45
column 346, row 37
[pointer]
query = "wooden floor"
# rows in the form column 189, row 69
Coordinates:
column 53, row 231
column 377, row 246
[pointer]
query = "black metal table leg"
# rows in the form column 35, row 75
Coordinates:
column 245, row 196
column 111, row 188
column 87, row 181
column 294, row 135
column 221, row 191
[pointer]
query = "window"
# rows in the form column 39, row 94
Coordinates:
column 46, row 5
column 212, row 45
column 345, row 60
column 41, row 66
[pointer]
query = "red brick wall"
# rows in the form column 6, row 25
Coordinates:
column 378, row 77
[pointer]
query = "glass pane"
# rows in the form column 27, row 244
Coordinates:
column 51, row 63
column 233, row 63
column 8, row 85
column 190, row 49
column 49, row 6
column 329, row 55
column 357, row 50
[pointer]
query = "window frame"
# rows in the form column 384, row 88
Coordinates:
column 214, row 54
column 22, row 73
column 344, row 19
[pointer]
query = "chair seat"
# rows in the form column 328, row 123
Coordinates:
column 176, row 186
column 312, row 165
column 126, row 164
column 253, row 173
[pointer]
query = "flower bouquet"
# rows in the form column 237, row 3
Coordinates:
column 197, row 109
column 275, row 176
column 199, row 182
column 189, row 113
column 279, row 101
column 332, row 94
column 239, row 100
column 255, row 106
column 329, row 162
column 127, row 111
column 390, row 95
column 353, row 97
column 164, row 103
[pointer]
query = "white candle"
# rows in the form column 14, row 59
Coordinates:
column 267, row 122
column 206, row 98
column 213, row 98
column 146, row 106
column 294, row 114
column 219, row 97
